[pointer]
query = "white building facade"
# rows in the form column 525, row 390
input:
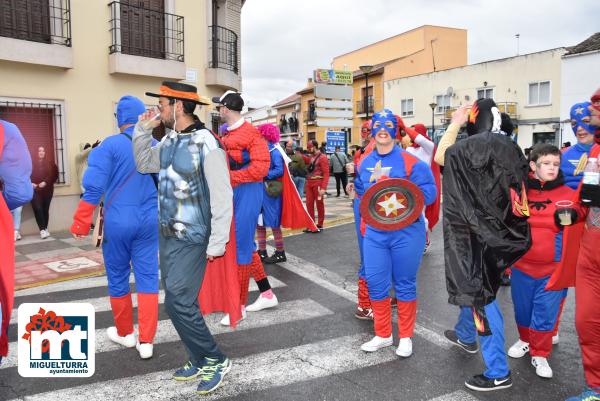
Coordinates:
column 527, row 87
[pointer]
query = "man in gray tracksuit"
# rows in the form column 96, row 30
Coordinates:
column 195, row 211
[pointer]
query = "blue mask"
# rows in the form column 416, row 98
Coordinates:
column 579, row 113
column 384, row 119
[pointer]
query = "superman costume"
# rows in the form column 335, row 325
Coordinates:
column 393, row 257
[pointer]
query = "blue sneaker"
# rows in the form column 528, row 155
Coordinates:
column 212, row 375
column 188, row 372
column 587, row 395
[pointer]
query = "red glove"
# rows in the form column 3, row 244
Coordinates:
column 411, row 133
column 82, row 220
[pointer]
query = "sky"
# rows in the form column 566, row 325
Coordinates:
column 283, row 41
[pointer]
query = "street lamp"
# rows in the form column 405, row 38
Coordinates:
column 433, row 106
column 366, row 69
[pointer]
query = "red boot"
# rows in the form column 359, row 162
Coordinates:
column 122, row 331
column 147, row 316
column 363, row 310
column 407, row 316
column 382, row 314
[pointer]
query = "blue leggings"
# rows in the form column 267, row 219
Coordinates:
column 247, row 203
column 393, row 257
column 492, row 346
column 359, row 236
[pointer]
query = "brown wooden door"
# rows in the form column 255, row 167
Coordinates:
column 143, row 28
column 25, row 19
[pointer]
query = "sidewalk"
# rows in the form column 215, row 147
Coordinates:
column 61, row 257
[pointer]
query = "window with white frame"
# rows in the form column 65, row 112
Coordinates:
column 407, row 107
column 539, row 93
column 443, row 103
column 485, row 93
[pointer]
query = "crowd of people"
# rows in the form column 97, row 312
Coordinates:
column 197, row 205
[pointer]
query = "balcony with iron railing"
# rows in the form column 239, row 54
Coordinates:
column 310, row 117
column 145, row 41
column 361, row 106
column 36, row 32
column 223, row 58
column 509, row 108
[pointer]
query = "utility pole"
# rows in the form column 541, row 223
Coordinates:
column 518, row 35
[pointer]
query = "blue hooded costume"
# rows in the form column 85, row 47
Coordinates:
column 130, row 222
column 572, row 156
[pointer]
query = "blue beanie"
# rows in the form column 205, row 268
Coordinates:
column 129, row 109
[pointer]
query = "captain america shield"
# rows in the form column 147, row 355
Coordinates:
column 392, row 204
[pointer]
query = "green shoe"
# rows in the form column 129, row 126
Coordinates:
column 212, row 375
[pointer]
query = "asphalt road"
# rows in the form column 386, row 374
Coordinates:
column 308, row 347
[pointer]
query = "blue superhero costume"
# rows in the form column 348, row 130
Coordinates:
column 573, row 161
column 394, row 254
column 271, row 205
column 130, row 223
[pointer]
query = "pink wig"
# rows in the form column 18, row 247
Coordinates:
column 270, row 132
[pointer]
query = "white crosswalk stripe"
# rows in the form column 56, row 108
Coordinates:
column 286, row 366
column 102, row 304
column 285, row 312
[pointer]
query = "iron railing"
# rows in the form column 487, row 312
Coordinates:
column 145, row 32
column 223, row 48
column 361, row 105
column 21, row 110
column 44, row 21
column 310, row 117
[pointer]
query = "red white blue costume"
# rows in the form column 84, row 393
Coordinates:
column 393, row 257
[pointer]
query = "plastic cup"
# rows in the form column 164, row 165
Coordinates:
column 564, row 212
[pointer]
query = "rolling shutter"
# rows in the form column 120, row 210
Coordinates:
column 36, row 126
column 143, row 28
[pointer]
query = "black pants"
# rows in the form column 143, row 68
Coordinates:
column 343, row 177
column 41, row 207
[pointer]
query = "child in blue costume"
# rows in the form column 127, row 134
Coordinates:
column 393, row 257
column 574, row 158
column 130, row 228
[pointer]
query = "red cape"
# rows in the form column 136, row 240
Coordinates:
column 564, row 275
column 432, row 212
column 220, row 290
column 7, row 264
column 293, row 211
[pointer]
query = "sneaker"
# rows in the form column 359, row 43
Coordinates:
column 17, row 235
column 451, row 336
column 555, row 339
column 277, row 257
column 263, row 254
column 127, row 341
column 404, row 347
column 482, row 383
column 212, row 374
column 189, row 371
column 145, row 350
column 363, row 313
column 377, row 343
column 587, row 395
column 263, row 302
column 44, row 234
column 542, row 368
column 311, row 231
column 225, row 320
column 518, row 349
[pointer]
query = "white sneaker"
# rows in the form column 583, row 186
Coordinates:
column 377, row 343
column 518, row 349
column 404, row 347
column 44, row 234
column 145, row 350
column 17, row 235
column 225, row 320
column 127, row 341
column 555, row 339
column 542, row 368
column 263, row 303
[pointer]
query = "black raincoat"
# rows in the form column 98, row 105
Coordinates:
column 482, row 235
